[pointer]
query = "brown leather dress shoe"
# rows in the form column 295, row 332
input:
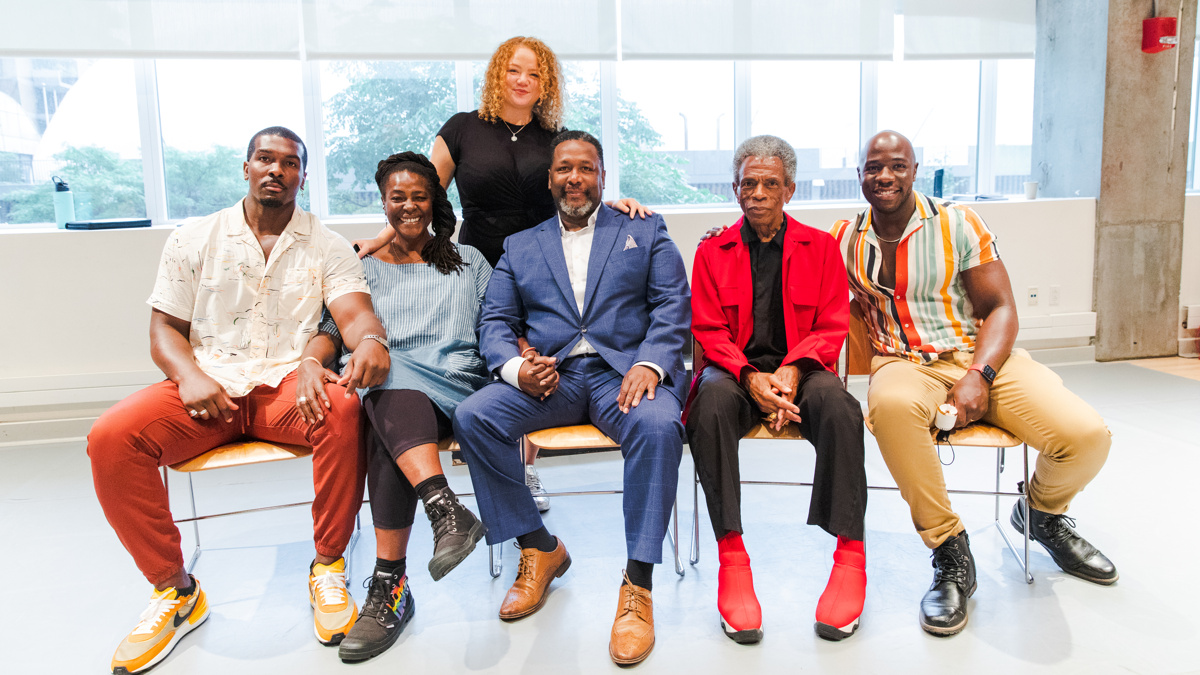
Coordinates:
column 534, row 572
column 633, row 630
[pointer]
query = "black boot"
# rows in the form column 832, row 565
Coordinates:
column 388, row 608
column 1070, row 551
column 455, row 532
column 944, row 607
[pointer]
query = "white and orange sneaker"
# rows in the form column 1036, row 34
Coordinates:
column 168, row 618
column 334, row 610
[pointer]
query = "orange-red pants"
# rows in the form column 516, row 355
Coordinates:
column 151, row 429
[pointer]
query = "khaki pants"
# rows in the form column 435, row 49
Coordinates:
column 1027, row 399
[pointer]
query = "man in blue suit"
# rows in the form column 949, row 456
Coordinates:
column 603, row 300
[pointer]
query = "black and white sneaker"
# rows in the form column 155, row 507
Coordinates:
column 455, row 532
column 388, row 609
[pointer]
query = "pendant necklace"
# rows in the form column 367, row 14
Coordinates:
column 514, row 133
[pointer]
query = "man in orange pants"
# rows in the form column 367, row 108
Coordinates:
column 237, row 297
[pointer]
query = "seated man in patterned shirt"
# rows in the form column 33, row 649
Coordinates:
column 942, row 321
column 238, row 295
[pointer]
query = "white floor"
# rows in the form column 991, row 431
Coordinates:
column 69, row 591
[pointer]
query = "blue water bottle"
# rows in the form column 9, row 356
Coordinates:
column 64, row 202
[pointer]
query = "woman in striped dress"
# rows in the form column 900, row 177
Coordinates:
column 427, row 291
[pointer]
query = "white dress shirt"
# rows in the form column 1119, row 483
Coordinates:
column 577, row 249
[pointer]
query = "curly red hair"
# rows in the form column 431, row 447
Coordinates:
column 549, row 108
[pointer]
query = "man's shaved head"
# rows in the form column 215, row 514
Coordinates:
column 891, row 140
column 886, row 170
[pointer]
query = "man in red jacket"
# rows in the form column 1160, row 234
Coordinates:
column 770, row 307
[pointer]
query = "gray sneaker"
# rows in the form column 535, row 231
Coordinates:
column 534, row 483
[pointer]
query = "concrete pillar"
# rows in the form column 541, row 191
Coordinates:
column 1143, row 171
column 1068, row 101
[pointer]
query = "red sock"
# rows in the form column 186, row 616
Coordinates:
column 735, row 585
column 842, row 602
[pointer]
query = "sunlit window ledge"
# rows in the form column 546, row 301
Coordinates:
column 667, row 211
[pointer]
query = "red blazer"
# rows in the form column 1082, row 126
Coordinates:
column 816, row 298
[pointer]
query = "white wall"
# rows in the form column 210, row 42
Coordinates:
column 75, row 318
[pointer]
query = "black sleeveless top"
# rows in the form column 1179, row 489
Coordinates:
column 503, row 183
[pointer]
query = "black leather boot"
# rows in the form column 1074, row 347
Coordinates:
column 944, row 607
column 1070, row 551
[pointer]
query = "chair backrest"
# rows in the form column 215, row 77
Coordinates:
column 858, row 345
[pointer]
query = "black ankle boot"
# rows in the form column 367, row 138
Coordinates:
column 455, row 532
column 944, row 607
column 1070, row 551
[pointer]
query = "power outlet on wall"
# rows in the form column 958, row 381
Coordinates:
column 1033, row 296
column 1055, row 295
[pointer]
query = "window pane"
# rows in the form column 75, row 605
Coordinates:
column 936, row 105
column 374, row 109
column 824, row 133
column 209, row 111
column 1012, row 163
column 676, row 124
column 74, row 118
column 583, row 96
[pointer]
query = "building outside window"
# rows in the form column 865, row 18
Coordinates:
column 72, row 118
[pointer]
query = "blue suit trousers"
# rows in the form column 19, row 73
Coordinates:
column 490, row 423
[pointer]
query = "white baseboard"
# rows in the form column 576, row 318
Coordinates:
column 44, row 431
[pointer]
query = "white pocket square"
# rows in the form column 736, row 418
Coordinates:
column 629, row 243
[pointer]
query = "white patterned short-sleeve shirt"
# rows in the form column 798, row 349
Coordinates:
column 251, row 318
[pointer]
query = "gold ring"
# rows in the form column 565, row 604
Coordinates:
column 772, row 417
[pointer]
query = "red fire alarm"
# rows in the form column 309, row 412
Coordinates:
column 1158, row 34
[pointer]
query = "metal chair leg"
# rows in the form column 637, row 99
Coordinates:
column 1025, row 508
column 1022, row 558
column 347, row 555
column 191, row 565
column 695, row 552
column 495, row 560
column 673, row 535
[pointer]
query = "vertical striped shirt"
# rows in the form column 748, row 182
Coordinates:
column 928, row 311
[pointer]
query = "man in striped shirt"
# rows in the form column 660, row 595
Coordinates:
column 942, row 321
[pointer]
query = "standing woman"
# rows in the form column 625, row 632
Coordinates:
column 500, row 157
column 427, row 291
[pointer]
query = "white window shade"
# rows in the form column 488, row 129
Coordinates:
column 757, row 29
column 150, row 28
column 969, row 29
column 432, row 30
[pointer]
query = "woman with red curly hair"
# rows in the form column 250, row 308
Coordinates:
column 500, row 156
column 500, row 153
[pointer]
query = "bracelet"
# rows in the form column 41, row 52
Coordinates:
column 378, row 338
column 313, row 359
column 528, row 349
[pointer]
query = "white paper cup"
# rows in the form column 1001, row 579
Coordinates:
column 947, row 416
column 1031, row 189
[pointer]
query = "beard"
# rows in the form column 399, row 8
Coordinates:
column 581, row 211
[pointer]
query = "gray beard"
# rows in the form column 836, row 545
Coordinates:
column 582, row 211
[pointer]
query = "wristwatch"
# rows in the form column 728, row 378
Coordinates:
column 985, row 370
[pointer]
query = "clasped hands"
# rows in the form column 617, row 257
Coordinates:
column 538, row 377
column 775, row 393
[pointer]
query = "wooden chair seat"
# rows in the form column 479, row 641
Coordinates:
column 974, row 435
column 241, row 453
column 577, row 437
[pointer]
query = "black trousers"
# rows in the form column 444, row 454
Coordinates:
column 722, row 412
column 401, row 419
